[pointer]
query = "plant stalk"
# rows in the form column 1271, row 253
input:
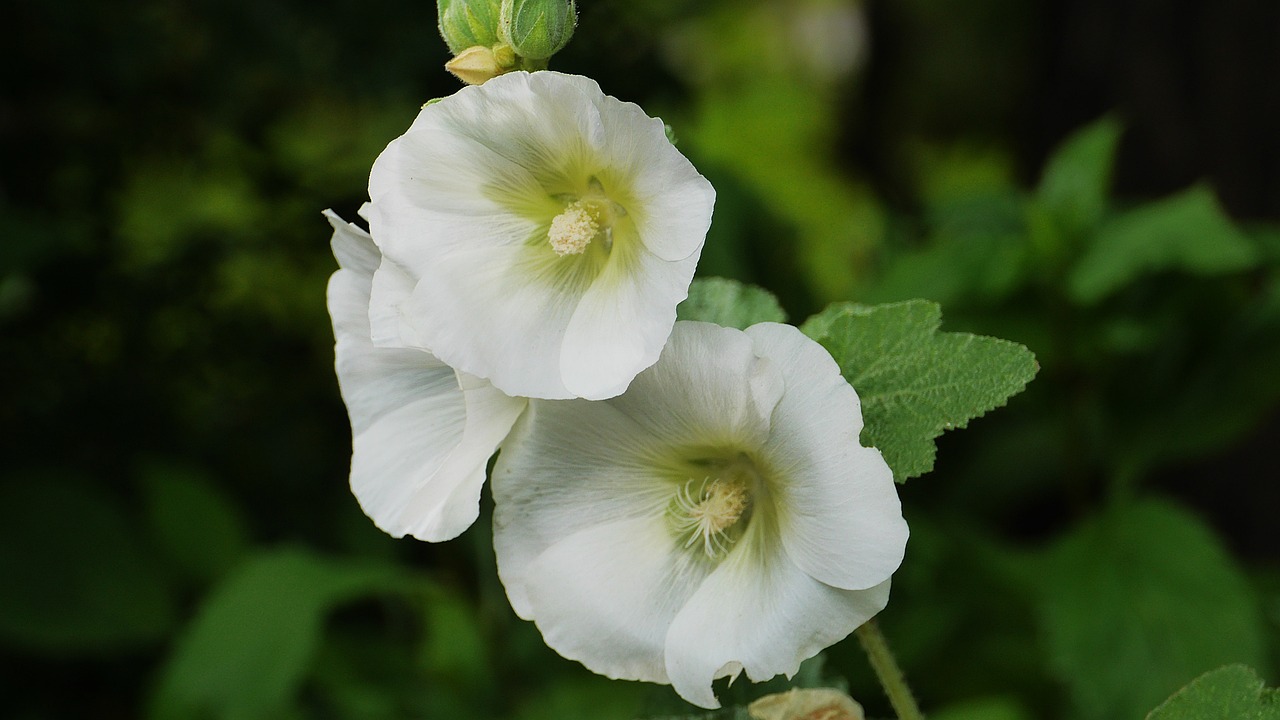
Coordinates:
column 888, row 672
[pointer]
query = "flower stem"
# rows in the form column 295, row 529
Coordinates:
column 887, row 670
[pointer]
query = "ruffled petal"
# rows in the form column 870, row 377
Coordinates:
column 488, row 158
column 670, row 200
column 709, row 389
column 392, row 287
column 566, row 467
column 839, row 514
column 622, row 322
column 759, row 613
column 609, row 615
column 420, row 438
column 352, row 247
column 510, row 328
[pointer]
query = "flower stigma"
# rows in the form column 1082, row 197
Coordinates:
column 584, row 219
column 573, row 230
column 708, row 510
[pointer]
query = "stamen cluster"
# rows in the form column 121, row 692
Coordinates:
column 708, row 512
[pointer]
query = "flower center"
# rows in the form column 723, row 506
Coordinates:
column 573, row 230
column 707, row 511
column 584, row 219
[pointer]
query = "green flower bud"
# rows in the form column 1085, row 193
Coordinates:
column 537, row 29
column 468, row 23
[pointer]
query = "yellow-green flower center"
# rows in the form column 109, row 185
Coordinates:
column 585, row 219
column 708, row 513
column 573, row 230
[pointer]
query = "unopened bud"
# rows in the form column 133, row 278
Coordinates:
column 475, row 65
column 537, row 29
column 467, row 23
column 809, row 704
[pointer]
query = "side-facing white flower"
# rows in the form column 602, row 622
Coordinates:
column 719, row 516
column 421, row 433
column 549, row 232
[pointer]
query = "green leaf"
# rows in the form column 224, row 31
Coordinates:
column 1234, row 692
column 958, row 268
column 1136, row 603
column 1188, row 232
column 253, row 641
column 75, row 577
column 1077, row 177
column 729, row 303
column 1221, row 400
column 195, row 527
column 914, row 381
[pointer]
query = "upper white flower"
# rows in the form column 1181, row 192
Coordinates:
column 549, row 232
column 421, row 433
column 719, row 516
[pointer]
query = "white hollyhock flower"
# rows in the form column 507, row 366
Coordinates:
column 549, row 232
column 421, row 433
column 720, row 516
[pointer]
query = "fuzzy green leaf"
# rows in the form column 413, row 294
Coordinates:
column 729, row 303
column 1136, row 603
column 1188, row 232
column 914, row 381
column 1234, row 692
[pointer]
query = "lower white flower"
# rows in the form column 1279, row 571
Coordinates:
column 718, row 517
column 421, row 433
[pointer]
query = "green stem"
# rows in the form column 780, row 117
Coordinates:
column 531, row 65
column 887, row 670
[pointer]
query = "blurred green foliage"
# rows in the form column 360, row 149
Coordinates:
column 176, row 536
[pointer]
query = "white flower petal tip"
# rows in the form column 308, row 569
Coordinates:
column 421, row 433
column 718, row 517
column 548, row 232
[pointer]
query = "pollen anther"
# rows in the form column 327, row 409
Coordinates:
column 706, row 510
column 573, row 230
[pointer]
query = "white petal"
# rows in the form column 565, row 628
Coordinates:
column 622, row 322
column 494, row 314
column 710, row 388
column 392, row 288
column 839, row 513
column 420, row 440
column 568, row 466
column 760, row 613
column 481, row 155
column 352, row 246
column 605, row 596
column 670, row 202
